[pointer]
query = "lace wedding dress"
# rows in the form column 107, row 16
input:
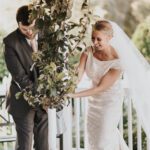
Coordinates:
column 104, row 109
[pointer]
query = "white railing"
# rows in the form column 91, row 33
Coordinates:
column 7, row 129
column 79, row 114
column 75, row 136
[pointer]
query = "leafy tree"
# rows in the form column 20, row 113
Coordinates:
column 59, row 43
column 141, row 38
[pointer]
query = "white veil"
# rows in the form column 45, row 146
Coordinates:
column 137, row 70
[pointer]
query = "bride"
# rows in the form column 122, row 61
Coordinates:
column 111, row 55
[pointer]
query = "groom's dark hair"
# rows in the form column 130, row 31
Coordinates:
column 23, row 15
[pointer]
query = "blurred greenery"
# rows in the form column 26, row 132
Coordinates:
column 141, row 38
column 3, row 69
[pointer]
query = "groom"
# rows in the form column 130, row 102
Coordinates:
column 19, row 46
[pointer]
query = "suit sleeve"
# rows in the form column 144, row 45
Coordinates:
column 19, row 75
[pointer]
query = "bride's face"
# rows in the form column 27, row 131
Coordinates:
column 100, row 39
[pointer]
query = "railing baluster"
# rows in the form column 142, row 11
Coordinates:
column 148, row 144
column 130, row 137
column 121, row 123
column 77, row 122
column 85, row 123
column 139, row 138
column 13, row 145
column 5, row 146
column 67, row 136
column 52, row 129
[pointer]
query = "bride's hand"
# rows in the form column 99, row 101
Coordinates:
column 71, row 95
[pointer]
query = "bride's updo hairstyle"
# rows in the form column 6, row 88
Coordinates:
column 104, row 26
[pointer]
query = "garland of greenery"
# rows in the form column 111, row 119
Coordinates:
column 58, row 49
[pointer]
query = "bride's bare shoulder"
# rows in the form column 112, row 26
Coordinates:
column 88, row 49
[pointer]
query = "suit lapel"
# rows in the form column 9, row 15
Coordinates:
column 25, row 52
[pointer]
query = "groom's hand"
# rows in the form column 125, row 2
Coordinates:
column 45, row 108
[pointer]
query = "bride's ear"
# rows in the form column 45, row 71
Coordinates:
column 109, row 37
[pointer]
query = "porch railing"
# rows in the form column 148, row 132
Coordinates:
column 75, row 136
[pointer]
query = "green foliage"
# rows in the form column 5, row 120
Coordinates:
column 141, row 38
column 58, row 51
column 3, row 70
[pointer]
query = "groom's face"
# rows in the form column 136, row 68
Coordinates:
column 27, row 31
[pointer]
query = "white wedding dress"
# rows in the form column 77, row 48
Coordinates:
column 104, row 109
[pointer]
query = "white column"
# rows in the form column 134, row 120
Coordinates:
column 52, row 129
column 67, row 136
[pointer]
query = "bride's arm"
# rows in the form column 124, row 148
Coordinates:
column 81, row 66
column 108, row 80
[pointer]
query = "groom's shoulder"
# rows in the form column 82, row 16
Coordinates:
column 11, row 37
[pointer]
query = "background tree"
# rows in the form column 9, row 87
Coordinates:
column 141, row 38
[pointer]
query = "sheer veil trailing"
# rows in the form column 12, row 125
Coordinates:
column 137, row 70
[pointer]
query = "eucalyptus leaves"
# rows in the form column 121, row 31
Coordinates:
column 58, row 51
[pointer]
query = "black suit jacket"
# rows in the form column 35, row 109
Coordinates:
column 18, row 57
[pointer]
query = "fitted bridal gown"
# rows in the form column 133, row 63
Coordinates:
column 104, row 109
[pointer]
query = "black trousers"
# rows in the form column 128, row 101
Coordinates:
column 34, row 123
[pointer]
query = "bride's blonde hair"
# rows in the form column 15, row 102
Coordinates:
column 103, row 25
